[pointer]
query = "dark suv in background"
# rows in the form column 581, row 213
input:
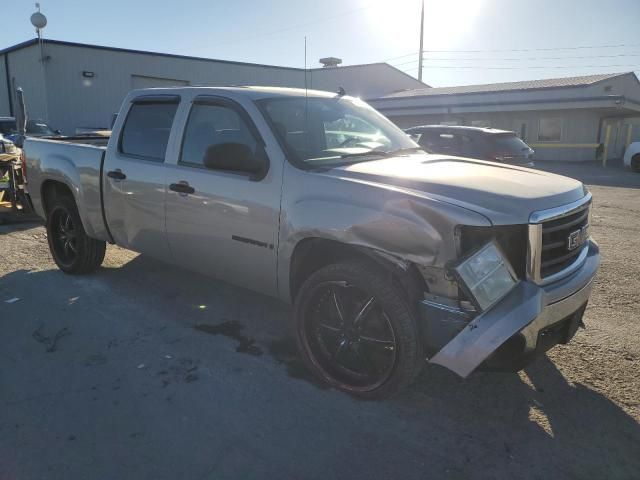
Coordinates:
column 475, row 142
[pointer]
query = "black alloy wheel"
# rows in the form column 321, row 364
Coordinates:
column 71, row 248
column 356, row 330
column 350, row 336
column 64, row 236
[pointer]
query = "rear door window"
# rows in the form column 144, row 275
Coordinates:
column 510, row 144
column 146, row 130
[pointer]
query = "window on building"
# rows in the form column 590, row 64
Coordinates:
column 211, row 125
column 520, row 129
column 146, row 129
column 550, row 130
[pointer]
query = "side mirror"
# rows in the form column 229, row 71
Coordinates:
column 236, row 157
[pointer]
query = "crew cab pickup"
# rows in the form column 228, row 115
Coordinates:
column 389, row 256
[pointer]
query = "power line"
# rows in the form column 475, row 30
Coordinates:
column 539, row 49
column 518, row 59
column 480, row 67
column 518, row 50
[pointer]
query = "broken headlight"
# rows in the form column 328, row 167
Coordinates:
column 486, row 275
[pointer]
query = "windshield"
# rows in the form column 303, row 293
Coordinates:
column 37, row 127
column 325, row 131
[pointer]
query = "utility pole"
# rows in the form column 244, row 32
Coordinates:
column 421, row 42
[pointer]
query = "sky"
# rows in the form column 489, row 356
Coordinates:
column 466, row 41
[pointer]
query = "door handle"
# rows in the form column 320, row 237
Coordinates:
column 116, row 174
column 182, row 187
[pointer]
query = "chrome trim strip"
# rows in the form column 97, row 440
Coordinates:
column 534, row 247
column 562, row 211
column 534, row 253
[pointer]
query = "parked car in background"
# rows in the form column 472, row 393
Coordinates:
column 35, row 128
column 389, row 256
column 632, row 156
column 475, row 142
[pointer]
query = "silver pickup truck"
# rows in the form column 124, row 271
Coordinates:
column 389, row 256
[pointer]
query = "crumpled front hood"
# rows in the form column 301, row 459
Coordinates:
column 505, row 194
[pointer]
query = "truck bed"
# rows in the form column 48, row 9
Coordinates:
column 75, row 162
column 98, row 140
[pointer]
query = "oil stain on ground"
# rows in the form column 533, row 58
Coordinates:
column 232, row 329
column 285, row 352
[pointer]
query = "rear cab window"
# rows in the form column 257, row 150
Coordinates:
column 146, row 130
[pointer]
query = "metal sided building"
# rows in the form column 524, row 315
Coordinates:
column 76, row 86
column 562, row 118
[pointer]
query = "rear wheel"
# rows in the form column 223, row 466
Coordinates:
column 356, row 331
column 635, row 163
column 72, row 250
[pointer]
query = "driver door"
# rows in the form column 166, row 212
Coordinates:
column 223, row 223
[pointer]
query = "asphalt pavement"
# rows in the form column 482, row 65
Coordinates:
column 146, row 371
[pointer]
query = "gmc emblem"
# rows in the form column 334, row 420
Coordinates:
column 577, row 238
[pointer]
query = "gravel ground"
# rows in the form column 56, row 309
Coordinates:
column 147, row 371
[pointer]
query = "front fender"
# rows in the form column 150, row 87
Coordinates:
column 415, row 229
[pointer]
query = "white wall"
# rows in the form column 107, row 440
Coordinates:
column 5, row 109
column 364, row 81
column 91, row 102
column 25, row 67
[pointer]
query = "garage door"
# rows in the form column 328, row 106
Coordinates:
column 140, row 81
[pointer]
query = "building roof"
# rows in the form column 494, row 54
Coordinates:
column 566, row 82
column 34, row 41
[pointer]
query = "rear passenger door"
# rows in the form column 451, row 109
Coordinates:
column 134, row 176
column 223, row 222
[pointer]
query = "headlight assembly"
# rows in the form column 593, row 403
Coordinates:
column 486, row 275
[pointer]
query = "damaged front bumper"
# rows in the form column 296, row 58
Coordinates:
column 529, row 320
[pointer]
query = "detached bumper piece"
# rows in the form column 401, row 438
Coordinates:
column 527, row 322
column 488, row 331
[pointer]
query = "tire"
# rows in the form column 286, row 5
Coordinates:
column 635, row 163
column 72, row 250
column 372, row 356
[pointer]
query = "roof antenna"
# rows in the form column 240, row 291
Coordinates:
column 305, row 66
column 306, row 99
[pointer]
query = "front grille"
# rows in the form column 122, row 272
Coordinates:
column 556, row 252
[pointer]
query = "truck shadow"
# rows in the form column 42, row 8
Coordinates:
column 500, row 423
column 534, row 416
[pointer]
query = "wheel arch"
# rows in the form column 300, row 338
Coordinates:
column 50, row 189
column 311, row 254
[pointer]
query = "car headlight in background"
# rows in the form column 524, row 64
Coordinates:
column 487, row 275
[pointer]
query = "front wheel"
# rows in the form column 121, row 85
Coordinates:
column 635, row 163
column 73, row 251
column 356, row 330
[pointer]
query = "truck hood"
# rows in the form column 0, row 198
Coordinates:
column 505, row 194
